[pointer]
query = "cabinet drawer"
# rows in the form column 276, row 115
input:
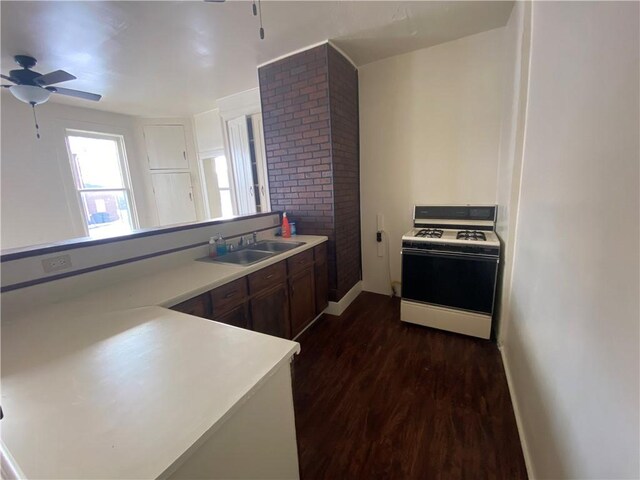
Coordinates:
column 299, row 262
column 228, row 296
column 267, row 277
column 320, row 253
column 199, row 306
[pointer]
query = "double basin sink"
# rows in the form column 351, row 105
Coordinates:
column 255, row 253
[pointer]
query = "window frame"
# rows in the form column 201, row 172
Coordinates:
column 124, row 172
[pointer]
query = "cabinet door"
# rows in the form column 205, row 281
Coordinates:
column 199, row 306
column 174, row 198
column 270, row 312
column 238, row 317
column 302, row 299
column 166, row 146
column 322, row 286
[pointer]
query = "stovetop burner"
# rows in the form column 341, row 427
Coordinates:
column 471, row 235
column 430, row 233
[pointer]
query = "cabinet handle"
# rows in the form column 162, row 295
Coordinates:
column 229, row 295
column 184, row 154
column 251, row 191
column 270, row 276
column 262, row 189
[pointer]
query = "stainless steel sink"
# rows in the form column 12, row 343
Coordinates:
column 274, row 246
column 243, row 257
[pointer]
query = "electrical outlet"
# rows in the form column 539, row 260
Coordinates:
column 55, row 264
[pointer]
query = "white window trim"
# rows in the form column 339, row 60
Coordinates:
column 124, row 168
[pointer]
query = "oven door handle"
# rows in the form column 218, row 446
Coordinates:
column 462, row 256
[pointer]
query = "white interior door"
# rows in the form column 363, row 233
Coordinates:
column 174, row 198
column 261, row 161
column 166, row 147
column 241, row 162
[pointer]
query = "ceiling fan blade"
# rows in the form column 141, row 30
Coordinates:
column 75, row 93
column 8, row 78
column 54, row 77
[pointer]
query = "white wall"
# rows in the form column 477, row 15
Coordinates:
column 572, row 343
column 208, row 130
column 429, row 133
column 516, row 75
column 39, row 203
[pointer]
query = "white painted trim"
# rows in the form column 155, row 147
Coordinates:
column 516, row 411
column 241, row 104
column 338, row 308
column 342, row 52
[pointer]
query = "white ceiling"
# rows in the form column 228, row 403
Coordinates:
column 171, row 58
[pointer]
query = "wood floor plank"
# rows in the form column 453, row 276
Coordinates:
column 378, row 398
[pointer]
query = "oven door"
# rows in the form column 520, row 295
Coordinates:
column 454, row 280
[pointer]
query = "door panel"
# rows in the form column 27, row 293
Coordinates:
column 174, row 198
column 166, row 146
column 241, row 162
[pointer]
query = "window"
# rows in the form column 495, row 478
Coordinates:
column 102, row 180
column 224, row 185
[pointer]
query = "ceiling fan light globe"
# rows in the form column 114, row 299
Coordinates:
column 30, row 94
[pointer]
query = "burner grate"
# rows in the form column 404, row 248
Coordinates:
column 430, row 233
column 471, row 235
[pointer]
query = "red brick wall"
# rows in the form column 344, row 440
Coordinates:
column 310, row 176
column 345, row 154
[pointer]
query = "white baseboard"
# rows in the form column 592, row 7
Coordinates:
column 337, row 308
column 516, row 411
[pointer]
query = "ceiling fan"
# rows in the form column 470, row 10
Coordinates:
column 34, row 88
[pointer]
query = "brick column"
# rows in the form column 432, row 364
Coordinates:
column 310, row 118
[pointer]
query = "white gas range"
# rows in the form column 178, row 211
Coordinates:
column 450, row 268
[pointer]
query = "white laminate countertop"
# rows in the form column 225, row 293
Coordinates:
column 112, row 385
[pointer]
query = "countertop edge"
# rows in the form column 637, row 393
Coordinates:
column 295, row 349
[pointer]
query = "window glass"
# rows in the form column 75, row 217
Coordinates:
column 103, row 187
column 98, row 162
column 222, row 171
column 225, row 203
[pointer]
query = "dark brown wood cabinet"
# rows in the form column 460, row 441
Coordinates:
column 302, row 299
column 280, row 299
column 199, row 306
column 228, row 296
column 270, row 312
column 237, row 316
column 321, row 270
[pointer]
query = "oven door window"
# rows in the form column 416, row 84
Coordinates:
column 449, row 280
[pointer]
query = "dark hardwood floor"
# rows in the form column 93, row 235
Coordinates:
column 376, row 398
